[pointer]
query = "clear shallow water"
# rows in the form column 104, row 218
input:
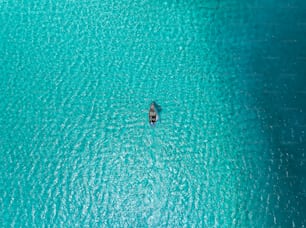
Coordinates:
column 77, row 79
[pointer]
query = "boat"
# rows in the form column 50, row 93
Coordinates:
column 153, row 115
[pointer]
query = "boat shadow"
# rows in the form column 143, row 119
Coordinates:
column 158, row 109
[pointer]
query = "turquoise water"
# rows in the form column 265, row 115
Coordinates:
column 77, row 80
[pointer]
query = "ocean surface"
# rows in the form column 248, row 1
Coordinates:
column 76, row 82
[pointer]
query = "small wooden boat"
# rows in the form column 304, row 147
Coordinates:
column 153, row 115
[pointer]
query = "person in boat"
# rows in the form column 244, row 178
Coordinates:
column 152, row 114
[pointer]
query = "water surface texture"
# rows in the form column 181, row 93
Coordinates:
column 77, row 80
